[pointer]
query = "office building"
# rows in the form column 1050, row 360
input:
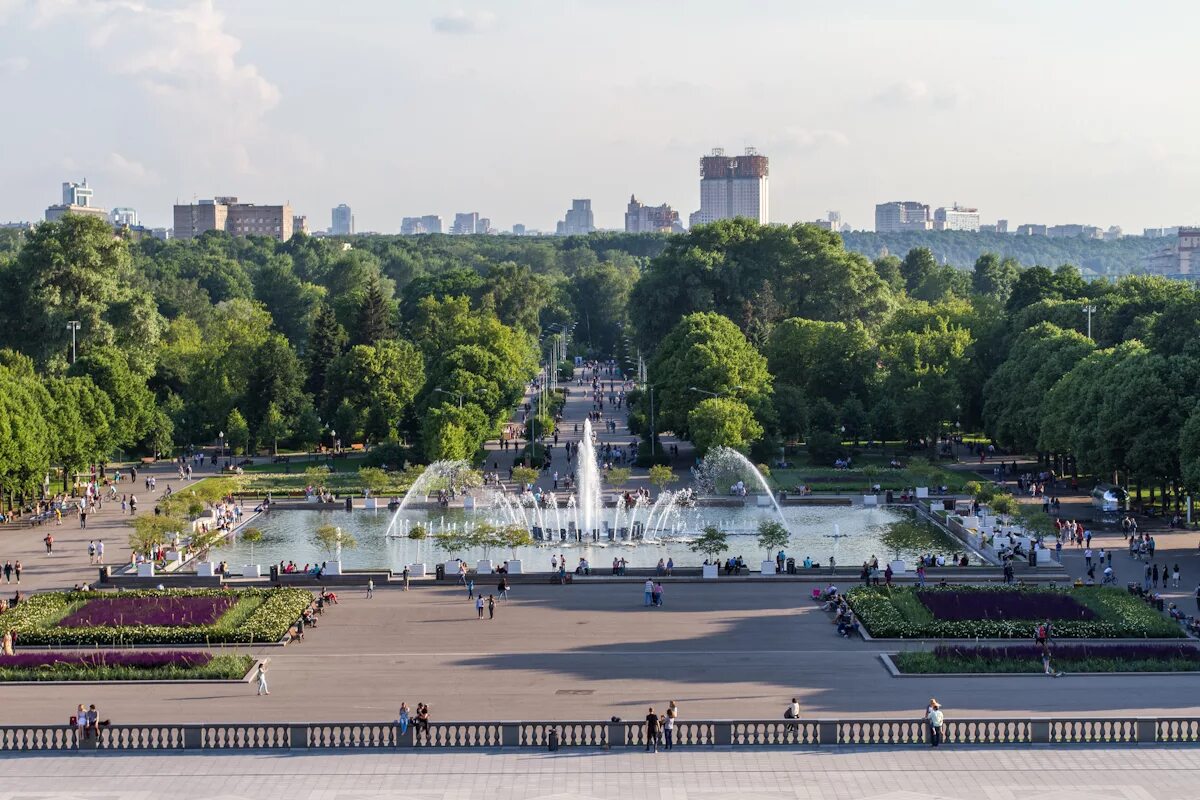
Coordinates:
column 77, row 198
column 237, row 219
column 1113, row 233
column 1180, row 257
column 1031, row 230
column 1001, row 226
column 342, row 221
column 641, row 218
column 411, row 226
column 465, row 224
column 484, row 226
column 300, row 224
column 518, row 229
column 832, row 222
column 901, row 215
column 1074, row 231
column 579, row 220
column 956, row 218
column 733, row 186
column 123, row 218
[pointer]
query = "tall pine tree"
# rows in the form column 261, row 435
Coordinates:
column 326, row 342
column 374, row 320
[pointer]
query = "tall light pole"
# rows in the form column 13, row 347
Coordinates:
column 73, row 326
column 1089, row 309
column 221, row 436
column 459, row 395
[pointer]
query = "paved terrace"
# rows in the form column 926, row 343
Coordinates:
column 1144, row 773
column 733, row 651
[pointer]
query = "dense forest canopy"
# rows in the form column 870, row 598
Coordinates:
column 754, row 336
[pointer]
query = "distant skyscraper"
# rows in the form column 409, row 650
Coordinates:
column 123, row 217
column 411, row 226
column 518, row 229
column 300, row 224
column 578, row 221
column 237, row 219
column 956, row 218
column 342, row 223
column 832, row 221
column 1028, row 229
column 484, row 225
column 641, row 218
column 1001, row 226
column 465, row 224
column 733, row 186
column 901, row 215
column 76, row 199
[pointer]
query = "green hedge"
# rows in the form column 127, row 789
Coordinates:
column 260, row 615
column 897, row 613
column 220, row 667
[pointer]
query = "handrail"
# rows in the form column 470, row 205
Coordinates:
column 601, row 734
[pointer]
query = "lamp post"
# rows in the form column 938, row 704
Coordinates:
column 459, row 395
column 333, row 439
column 73, row 326
column 1089, row 309
column 728, row 393
column 221, row 437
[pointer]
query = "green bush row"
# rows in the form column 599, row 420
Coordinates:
column 221, row 667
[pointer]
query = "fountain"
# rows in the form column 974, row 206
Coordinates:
column 588, row 505
column 434, row 473
column 721, row 464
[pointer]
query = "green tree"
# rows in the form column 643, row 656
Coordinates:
column 380, row 381
column 712, row 542
column 723, row 422
column 274, row 380
column 273, row 427
column 831, row 360
column 375, row 314
column 619, row 476
column 994, row 277
column 326, row 343
column 237, row 433
column 772, row 536
column 660, row 475
column 132, row 401
column 332, row 540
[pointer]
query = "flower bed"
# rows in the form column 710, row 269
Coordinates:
column 254, row 615
column 123, row 666
column 900, row 613
column 967, row 605
column 169, row 611
column 1027, row 658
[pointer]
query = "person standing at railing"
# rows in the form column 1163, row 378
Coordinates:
column 403, row 718
column 935, row 719
column 668, row 725
column 651, row 730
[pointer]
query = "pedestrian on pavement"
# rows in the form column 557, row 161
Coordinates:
column 470, row 588
column 92, row 551
column 100, row 551
column 491, row 603
column 651, row 730
column 406, row 577
column 403, row 718
column 1087, row 557
column 17, row 571
column 8, row 572
column 935, row 719
column 503, row 588
column 649, row 592
column 479, row 606
column 1175, row 576
column 658, row 595
column 370, row 588
column 49, row 540
column 261, row 678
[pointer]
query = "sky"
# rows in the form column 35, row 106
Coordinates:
column 1043, row 112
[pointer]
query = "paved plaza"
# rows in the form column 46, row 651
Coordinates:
column 1072, row 773
column 732, row 651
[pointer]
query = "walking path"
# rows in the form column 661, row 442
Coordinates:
column 1016, row 773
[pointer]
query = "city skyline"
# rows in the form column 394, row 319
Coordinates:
column 198, row 98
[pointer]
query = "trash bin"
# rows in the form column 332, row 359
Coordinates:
column 274, row 573
column 948, row 504
column 440, row 571
column 349, row 503
column 105, row 574
column 889, row 497
column 791, row 566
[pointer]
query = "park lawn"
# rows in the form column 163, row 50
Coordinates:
column 1027, row 659
column 899, row 613
column 258, row 615
column 104, row 665
column 860, row 480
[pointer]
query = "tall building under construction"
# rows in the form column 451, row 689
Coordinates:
column 733, row 186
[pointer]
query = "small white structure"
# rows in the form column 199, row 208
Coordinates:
column 763, row 500
column 416, row 570
column 468, row 502
column 922, row 492
column 145, row 569
column 251, row 571
column 709, row 571
column 897, row 567
column 332, row 568
column 768, row 568
column 870, row 500
column 370, row 504
column 514, row 566
column 484, row 566
column 204, row 569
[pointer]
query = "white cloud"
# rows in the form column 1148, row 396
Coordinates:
column 130, row 170
column 461, row 22
column 803, row 140
column 917, row 94
column 13, row 65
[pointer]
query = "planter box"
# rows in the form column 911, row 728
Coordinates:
column 768, row 568
column 484, row 566
column 870, row 500
column 1045, row 558
column 468, row 502
column 333, row 568
column 762, row 500
column 370, row 504
column 922, row 492
column 514, row 566
column 205, row 569
column 172, row 556
column 452, row 570
column 145, row 570
column 709, row 571
column 416, row 570
column 251, row 571
column 897, row 567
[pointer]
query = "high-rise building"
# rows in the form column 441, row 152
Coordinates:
column 238, row 219
column 733, row 186
column 123, row 218
column 641, row 218
column 465, row 224
column 77, row 199
column 832, row 221
column 1028, row 229
column 901, row 215
column 483, row 226
column 411, row 226
column 518, row 229
column 1074, row 231
column 300, row 224
column 1178, row 258
column 342, row 222
column 579, row 220
column 1001, row 226
column 956, row 218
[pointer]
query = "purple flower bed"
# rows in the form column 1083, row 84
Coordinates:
column 947, row 604
column 100, row 658
column 160, row 611
column 1073, row 652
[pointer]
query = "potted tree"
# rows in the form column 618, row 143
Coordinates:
column 150, row 533
column 525, row 476
column 201, row 542
column 711, row 543
column 373, row 481
column 332, row 539
column 660, row 475
column 452, row 542
column 515, row 536
column 485, row 536
column 771, row 537
column 251, row 536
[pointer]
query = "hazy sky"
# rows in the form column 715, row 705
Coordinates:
column 1032, row 111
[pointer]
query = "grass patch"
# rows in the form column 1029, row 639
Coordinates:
column 258, row 615
column 860, row 480
column 898, row 613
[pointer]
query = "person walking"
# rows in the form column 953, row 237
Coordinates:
column 370, row 588
column 933, row 716
column 1175, row 576
column 657, row 595
column 479, row 606
column 260, row 676
column 406, row 577
column 648, row 588
column 49, row 540
column 503, row 588
column 17, row 571
column 470, row 588
column 8, row 572
column 491, row 605
column 100, row 551
column 651, row 730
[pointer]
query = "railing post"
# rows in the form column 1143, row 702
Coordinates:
column 408, row 738
column 722, row 733
column 827, row 731
column 192, row 737
column 616, row 735
column 1146, row 729
column 1039, row 731
column 297, row 737
column 510, row 734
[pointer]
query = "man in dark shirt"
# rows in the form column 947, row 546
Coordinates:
column 651, row 731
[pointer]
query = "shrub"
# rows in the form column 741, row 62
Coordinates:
column 104, row 665
column 1027, row 658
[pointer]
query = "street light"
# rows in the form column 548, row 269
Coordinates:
column 221, row 436
column 73, row 326
column 1089, row 309
column 459, row 395
column 715, row 394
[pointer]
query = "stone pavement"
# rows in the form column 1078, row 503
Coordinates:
column 1016, row 773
